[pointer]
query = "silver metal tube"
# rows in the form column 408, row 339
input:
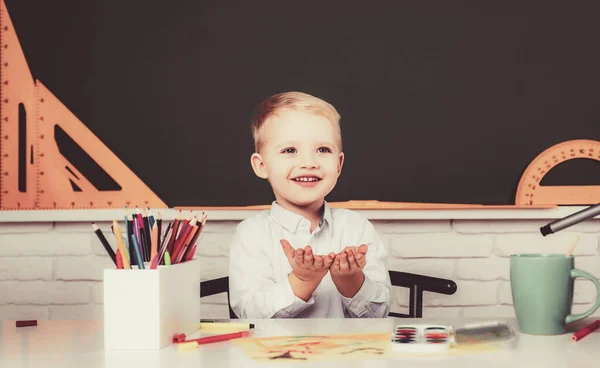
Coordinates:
column 571, row 220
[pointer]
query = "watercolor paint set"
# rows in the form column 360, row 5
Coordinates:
column 421, row 338
column 432, row 338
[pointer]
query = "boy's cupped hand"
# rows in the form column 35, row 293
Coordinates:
column 350, row 261
column 305, row 265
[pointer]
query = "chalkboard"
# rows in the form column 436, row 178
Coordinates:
column 441, row 101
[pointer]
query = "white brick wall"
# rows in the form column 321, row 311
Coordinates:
column 54, row 270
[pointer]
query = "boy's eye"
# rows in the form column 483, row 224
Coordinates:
column 289, row 150
column 324, row 150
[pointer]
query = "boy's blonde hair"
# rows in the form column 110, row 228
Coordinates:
column 295, row 101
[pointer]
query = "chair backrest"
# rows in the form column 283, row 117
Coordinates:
column 416, row 283
column 217, row 286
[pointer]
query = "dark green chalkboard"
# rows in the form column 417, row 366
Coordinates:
column 441, row 101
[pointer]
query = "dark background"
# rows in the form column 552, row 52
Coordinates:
column 441, row 101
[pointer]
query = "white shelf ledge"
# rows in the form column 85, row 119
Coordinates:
column 100, row 215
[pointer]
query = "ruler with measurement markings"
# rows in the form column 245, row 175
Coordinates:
column 35, row 173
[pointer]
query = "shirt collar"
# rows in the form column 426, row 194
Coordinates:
column 290, row 220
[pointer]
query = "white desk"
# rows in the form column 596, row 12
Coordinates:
column 79, row 344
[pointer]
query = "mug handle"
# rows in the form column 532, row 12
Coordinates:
column 579, row 273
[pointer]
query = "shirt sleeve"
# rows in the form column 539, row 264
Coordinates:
column 253, row 291
column 373, row 299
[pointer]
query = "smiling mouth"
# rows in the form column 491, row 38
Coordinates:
column 307, row 179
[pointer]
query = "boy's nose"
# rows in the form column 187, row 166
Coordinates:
column 309, row 161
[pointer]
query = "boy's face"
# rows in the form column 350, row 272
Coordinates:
column 300, row 157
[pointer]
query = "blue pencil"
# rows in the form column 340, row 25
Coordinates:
column 138, row 257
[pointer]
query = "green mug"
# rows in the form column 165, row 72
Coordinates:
column 542, row 291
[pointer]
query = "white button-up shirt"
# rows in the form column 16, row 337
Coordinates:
column 258, row 268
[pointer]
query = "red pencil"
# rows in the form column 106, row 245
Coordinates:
column 119, row 260
column 180, row 243
column 585, row 331
column 191, row 253
column 217, row 338
column 174, row 228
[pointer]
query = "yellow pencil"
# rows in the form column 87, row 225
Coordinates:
column 120, row 245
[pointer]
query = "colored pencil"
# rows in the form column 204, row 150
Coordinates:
column 163, row 246
column 119, row 260
column 136, row 248
column 174, row 233
column 146, row 235
column 585, row 331
column 159, row 224
column 107, row 247
column 154, row 242
column 120, row 244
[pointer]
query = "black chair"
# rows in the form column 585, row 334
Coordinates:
column 217, row 286
column 416, row 283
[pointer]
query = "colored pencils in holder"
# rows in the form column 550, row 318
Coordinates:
column 107, row 247
column 181, row 240
column 144, row 240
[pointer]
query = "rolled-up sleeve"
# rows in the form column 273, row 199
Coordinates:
column 253, row 291
column 373, row 299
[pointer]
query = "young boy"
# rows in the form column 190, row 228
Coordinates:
column 301, row 258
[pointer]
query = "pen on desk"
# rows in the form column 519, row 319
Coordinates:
column 224, row 323
column 107, row 247
column 585, row 331
column 178, row 338
column 192, row 344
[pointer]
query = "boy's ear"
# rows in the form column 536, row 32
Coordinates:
column 341, row 163
column 258, row 165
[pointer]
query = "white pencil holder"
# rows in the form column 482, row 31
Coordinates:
column 143, row 309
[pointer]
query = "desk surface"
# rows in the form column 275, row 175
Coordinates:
column 75, row 344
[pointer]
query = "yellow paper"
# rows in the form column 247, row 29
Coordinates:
column 314, row 348
column 337, row 347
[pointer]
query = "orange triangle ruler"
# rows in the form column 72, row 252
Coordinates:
column 34, row 173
